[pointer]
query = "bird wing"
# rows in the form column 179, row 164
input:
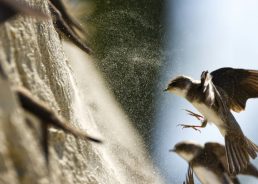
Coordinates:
column 189, row 176
column 238, row 84
column 207, row 87
column 219, row 151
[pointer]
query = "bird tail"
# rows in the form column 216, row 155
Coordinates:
column 238, row 150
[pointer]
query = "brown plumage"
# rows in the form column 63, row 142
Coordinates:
column 238, row 84
column 214, row 96
column 204, row 158
column 219, row 151
column 189, row 179
column 212, row 157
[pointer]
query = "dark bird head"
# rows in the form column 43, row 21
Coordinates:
column 179, row 85
column 187, row 149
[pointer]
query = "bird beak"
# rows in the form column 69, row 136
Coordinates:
column 165, row 90
column 172, row 150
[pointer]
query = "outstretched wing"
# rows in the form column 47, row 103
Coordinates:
column 238, row 84
column 189, row 176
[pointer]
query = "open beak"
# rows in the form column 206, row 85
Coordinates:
column 172, row 150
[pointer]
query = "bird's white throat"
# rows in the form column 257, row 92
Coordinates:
column 206, row 176
column 187, row 156
column 180, row 92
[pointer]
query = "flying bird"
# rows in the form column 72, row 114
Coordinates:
column 214, row 96
column 209, row 163
column 10, row 8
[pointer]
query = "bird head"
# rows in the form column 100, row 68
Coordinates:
column 179, row 85
column 187, row 150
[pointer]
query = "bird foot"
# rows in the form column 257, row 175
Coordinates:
column 199, row 117
column 195, row 127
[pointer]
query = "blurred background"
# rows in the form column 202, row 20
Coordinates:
column 141, row 44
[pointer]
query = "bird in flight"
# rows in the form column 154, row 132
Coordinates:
column 209, row 163
column 214, row 96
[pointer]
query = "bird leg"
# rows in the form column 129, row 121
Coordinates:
column 195, row 127
column 199, row 117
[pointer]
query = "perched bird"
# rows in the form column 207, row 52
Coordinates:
column 209, row 163
column 65, row 25
column 214, row 96
column 10, row 8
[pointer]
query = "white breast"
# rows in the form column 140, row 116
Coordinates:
column 210, row 115
column 206, row 176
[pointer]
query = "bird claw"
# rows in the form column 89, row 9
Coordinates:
column 199, row 117
column 190, row 126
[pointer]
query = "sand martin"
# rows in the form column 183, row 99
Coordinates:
column 214, row 96
column 209, row 162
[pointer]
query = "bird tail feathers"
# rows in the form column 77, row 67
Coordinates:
column 238, row 150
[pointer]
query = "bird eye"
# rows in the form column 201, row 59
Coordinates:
column 174, row 83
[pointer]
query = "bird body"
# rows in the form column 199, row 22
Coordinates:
column 214, row 96
column 204, row 163
column 206, row 176
column 211, row 115
column 209, row 162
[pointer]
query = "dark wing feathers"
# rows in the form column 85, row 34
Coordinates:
column 189, row 176
column 220, row 152
column 238, row 84
column 238, row 150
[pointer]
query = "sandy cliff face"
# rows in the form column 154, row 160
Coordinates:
column 33, row 56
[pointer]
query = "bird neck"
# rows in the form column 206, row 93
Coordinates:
column 193, row 93
column 186, row 156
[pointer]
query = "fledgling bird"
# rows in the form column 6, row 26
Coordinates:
column 214, row 96
column 10, row 8
column 209, row 162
